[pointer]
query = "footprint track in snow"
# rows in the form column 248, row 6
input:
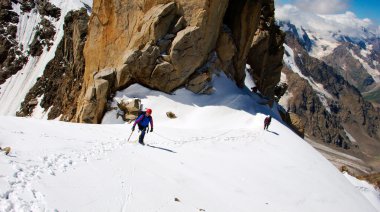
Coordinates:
column 20, row 182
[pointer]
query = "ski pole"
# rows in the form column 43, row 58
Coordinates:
column 130, row 135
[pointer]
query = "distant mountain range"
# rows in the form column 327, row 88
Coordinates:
column 348, row 44
column 332, row 67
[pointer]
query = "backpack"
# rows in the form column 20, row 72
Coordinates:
column 141, row 112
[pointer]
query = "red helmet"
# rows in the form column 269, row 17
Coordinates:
column 149, row 111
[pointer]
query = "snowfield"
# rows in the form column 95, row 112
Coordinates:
column 214, row 157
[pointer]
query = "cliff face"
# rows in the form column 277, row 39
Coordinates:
column 342, row 59
column 13, row 55
column 265, row 55
column 333, row 110
column 165, row 44
column 61, row 82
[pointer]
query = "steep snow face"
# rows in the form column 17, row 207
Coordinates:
column 214, row 157
column 13, row 91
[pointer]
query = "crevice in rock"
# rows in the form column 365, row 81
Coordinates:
column 266, row 53
column 240, row 23
column 232, row 16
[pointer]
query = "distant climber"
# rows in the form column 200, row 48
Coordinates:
column 143, row 121
column 267, row 122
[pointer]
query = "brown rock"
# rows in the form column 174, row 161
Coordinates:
column 33, row 102
column 108, row 74
column 171, row 115
column 95, row 99
column 266, row 52
column 242, row 18
column 226, row 50
column 199, row 82
column 138, row 64
column 163, row 44
column 162, row 73
column 297, row 124
column 166, row 58
column 130, row 109
column 181, row 24
column 185, row 53
column 156, row 23
column 130, row 35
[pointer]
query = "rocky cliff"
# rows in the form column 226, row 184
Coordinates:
column 352, row 50
column 61, row 83
column 13, row 55
column 332, row 109
column 265, row 55
column 344, row 59
column 165, row 44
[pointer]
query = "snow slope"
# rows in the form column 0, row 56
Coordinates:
column 214, row 157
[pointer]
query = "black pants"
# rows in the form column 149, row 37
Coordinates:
column 142, row 134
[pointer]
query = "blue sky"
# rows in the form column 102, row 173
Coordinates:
column 362, row 8
column 366, row 9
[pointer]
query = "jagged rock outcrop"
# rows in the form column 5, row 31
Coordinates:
column 103, row 83
column 11, row 57
column 350, row 68
column 226, row 50
column 332, row 109
column 353, row 108
column 45, row 30
column 294, row 121
column 265, row 56
column 45, row 8
column 164, row 45
column 62, row 79
column 318, row 122
column 129, row 109
column 43, row 37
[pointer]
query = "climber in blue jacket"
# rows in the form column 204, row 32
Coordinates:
column 143, row 121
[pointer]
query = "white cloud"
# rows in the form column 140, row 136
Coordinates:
column 326, row 25
column 322, row 6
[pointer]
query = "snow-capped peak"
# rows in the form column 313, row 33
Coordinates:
column 346, row 24
column 326, row 32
